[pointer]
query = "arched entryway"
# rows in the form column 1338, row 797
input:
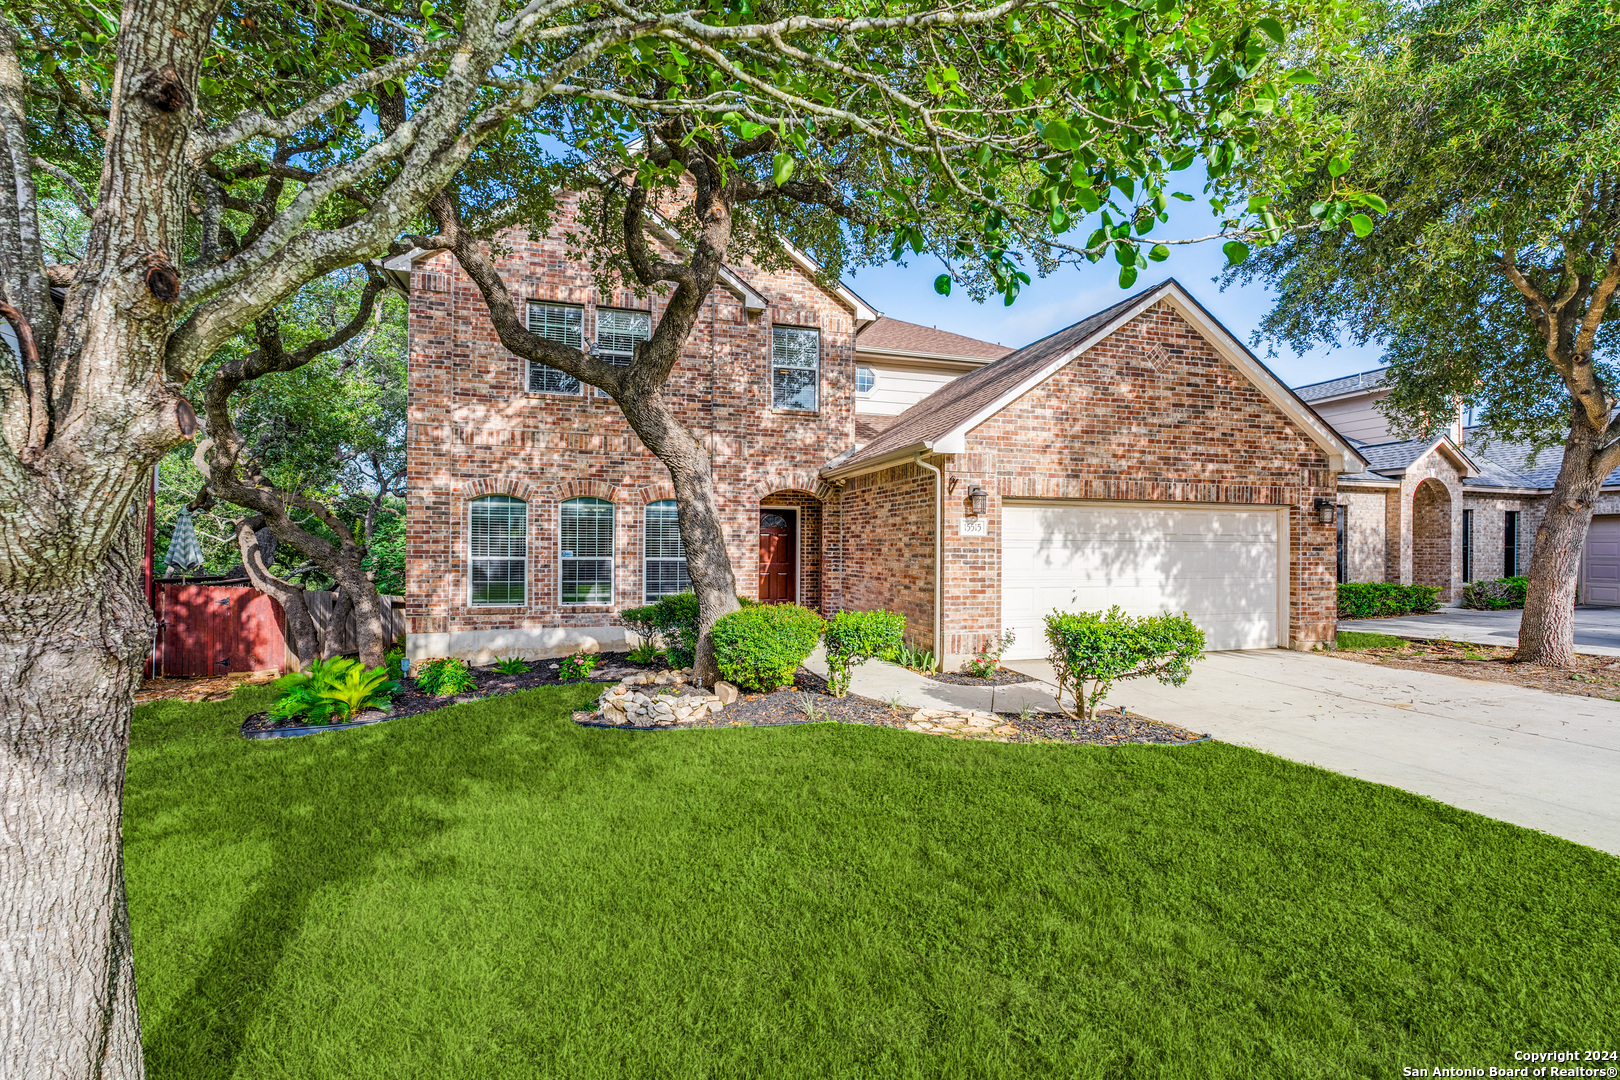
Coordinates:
column 790, row 548
column 1431, row 536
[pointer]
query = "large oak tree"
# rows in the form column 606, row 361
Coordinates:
column 228, row 154
column 1489, row 129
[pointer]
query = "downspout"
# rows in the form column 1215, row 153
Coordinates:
column 939, row 561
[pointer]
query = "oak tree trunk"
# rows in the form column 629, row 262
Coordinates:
column 70, row 658
column 702, row 534
column 302, row 636
column 1547, row 628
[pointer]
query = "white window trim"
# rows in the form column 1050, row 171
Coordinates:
column 613, row 559
column 821, row 359
column 527, row 593
column 868, row 391
column 645, row 558
column 798, row 549
column 529, row 365
column 596, row 323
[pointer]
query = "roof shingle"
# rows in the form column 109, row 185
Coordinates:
column 901, row 336
column 1349, row 384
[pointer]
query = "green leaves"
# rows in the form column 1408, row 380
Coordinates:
column 1362, row 224
column 781, row 168
column 942, row 284
column 1338, row 165
column 1236, row 251
column 1272, row 29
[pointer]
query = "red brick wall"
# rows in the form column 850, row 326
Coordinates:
column 474, row 428
column 1431, row 536
column 1153, row 413
column 887, row 529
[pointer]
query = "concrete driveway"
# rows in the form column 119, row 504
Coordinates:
column 1543, row 761
column 1597, row 629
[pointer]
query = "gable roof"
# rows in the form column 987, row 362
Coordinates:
column 899, row 336
column 1392, row 459
column 940, row 422
column 1348, row 384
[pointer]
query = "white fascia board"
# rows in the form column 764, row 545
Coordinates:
column 1365, row 391
column 407, row 261
column 1456, row 453
column 729, row 279
column 1346, row 484
column 864, row 312
column 918, row 359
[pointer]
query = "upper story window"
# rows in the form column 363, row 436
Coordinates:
column 665, row 572
column 865, row 379
column 617, row 332
column 795, row 368
column 555, row 322
column 498, row 540
column 587, row 551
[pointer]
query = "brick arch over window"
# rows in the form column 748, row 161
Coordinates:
column 499, row 485
column 657, row 492
column 592, row 489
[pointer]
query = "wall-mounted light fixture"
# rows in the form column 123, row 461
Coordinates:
column 978, row 500
column 1327, row 511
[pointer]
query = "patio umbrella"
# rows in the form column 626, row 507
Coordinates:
column 184, row 551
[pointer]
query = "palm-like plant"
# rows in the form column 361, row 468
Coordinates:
column 335, row 689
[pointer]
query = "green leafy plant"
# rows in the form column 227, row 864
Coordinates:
column 908, row 657
column 672, row 623
column 1101, row 649
column 987, row 661
column 445, row 676
column 854, row 637
column 1497, row 594
column 646, row 654
column 394, row 659
column 332, row 691
column 512, row 665
column 761, row 646
column 811, row 710
column 577, row 667
column 1368, row 599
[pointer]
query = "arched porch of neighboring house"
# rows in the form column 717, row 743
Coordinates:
column 1431, row 536
column 789, row 523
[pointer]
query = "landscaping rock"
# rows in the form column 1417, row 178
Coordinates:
column 725, row 692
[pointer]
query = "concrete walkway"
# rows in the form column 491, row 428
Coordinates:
column 1543, row 761
column 1597, row 629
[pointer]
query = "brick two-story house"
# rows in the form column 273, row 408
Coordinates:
column 1140, row 457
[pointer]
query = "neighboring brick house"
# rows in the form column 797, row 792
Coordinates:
column 1455, row 508
column 1140, row 457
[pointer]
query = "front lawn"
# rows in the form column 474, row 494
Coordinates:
column 493, row 891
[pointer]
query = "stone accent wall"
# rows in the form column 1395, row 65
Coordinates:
column 1365, row 532
column 474, row 428
column 1151, row 414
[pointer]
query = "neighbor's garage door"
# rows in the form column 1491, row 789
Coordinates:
column 1220, row 566
column 1602, row 570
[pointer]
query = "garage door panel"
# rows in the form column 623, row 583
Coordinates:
column 1220, row 566
column 1600, row 569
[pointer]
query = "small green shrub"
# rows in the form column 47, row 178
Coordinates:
column 908, row 657
column 1499, row 594
column 854, row 637
column 332, row 691
column 987, row 661
column 394, row 660
column 577, row 667
column 1102, row 649
column 512, row 665
column 646, row 654
column 1354, row 640
column 761, row 646
column 1368, row 599
column 672, row 622
column 446, row 676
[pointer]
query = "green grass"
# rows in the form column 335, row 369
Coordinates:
column 1361, row 639
column 491, row 891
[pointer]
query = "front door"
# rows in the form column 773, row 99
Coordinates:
column 778, row 556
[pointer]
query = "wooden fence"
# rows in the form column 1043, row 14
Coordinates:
column 209, row 629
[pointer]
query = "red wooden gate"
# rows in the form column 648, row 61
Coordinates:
column 214, row 629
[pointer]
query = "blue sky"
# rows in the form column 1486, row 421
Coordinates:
column 1049, row 304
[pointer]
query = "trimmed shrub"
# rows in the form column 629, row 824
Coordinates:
column 672, row 623
column 761, row 646
column 577, row 667
column 854, row 637
column 1368, row 599
column 1496, row 595
column 1101, row 649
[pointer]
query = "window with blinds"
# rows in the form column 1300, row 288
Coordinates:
column 555, row 322
column 665, row 571
column 498, row 537
column 795, row 368
column 617, row 332
column 587, row 551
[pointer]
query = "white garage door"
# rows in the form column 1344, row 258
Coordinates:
column 1219, row 566
column 1602, row 570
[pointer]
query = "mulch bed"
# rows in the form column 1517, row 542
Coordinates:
column 1002, row 677
column 211, row 688
column 1590, row 676
column 1106, row 729
column 610, row 667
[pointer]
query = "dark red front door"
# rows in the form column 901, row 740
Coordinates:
column 778, row 570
